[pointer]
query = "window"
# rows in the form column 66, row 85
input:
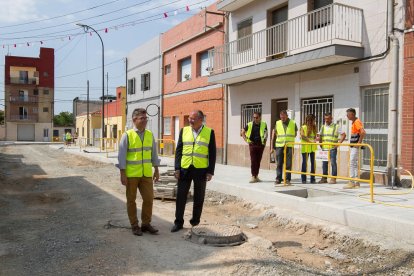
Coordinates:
column 115, row 131
column 45, row 92
column 36, row 92
column 145, row 82
column 375, row 119
column 244, row 31
column 167, row 69
column 317, row 107
column 247, row 111
column 35, row 110
column 204, row 64
column 45, row 109
column 45, row 132
column 167, row 125
column 321, row 17
column 131, row 86
column 23, row 77
column 185, row 66
column 23, row 113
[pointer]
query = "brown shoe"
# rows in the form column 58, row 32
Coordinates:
column 323, row 180
column 136, row 230
column 332, row 181
column 149, row 228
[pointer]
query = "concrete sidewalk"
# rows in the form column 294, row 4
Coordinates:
column 323, row 201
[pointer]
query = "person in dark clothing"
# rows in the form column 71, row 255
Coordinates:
column 195, row 160
column 255, row 134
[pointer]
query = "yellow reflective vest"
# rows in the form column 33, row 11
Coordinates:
column 195, row 152
column 282, row 137
column 308, row 148
column 329, row 135
column 262, row 131
column 138, row 161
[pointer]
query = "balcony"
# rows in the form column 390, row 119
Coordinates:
column 30, row 81
column 23, row 118
column 23, row 99
column 325, row 36
column 232, row 5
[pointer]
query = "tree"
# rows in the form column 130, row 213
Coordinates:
column 1, row 117
column 63, row 119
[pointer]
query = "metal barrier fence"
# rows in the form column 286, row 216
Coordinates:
column 370, row 181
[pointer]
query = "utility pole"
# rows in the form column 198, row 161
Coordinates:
column 107, row 102
column 87, row 111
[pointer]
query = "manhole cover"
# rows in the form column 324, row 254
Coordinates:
column 217, row 235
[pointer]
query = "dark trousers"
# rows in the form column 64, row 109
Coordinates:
column 305, row 157
column 198, row 176
column 333, row 153
column 280, row 159
column 256, row 153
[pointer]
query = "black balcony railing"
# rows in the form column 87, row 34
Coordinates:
column 17, row 80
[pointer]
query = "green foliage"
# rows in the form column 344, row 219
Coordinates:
column 64, row 119
column 1, row 117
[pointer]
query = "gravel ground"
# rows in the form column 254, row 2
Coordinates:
column 58, row 212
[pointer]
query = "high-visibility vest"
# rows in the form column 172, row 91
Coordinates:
column 282, row 137
column 308, row 148
column 68, row 136
column 262, row 131
column 195, row 152
column 138, row 161
column 329, row 135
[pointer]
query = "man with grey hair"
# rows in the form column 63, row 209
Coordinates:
column 137, row 155
column 195, row 159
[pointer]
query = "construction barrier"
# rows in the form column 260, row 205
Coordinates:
column 166, row 147
column 370, row 181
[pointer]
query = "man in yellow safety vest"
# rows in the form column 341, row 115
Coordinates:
column 285, row 131
column 255, row 134
column 195, row 159
column 137, row 155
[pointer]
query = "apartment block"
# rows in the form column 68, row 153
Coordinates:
column 185, row 75
column 318, row 56
column 29, row 96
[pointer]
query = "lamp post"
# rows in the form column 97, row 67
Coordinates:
column 86, row 28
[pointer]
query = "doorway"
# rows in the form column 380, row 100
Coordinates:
column 277, row 106
column 176, row 129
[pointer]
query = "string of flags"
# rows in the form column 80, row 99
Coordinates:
column 105, row 30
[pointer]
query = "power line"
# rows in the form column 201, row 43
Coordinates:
column 59, row 16
column 73, row 74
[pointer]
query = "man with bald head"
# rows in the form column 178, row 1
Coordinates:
column 195, row 159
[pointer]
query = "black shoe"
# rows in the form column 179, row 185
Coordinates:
column 176, row 228
column 278, row 181
column 303, row 182
column 194, row 224
column 149, row 228
column 136, row 230
column 313, row 181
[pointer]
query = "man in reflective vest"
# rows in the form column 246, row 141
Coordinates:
column 255, row 134
column 68, row 138
column 357, row 136
column 285, row 131
column 195, row 159
column 329, row 133
column 137, row 155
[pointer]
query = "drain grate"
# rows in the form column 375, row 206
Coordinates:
column 217, row 235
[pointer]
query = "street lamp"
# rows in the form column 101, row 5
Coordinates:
column 86, row 29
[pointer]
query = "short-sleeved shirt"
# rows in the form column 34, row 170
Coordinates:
column 356, row 130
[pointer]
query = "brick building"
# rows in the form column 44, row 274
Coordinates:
column 185, row 72
column 29, row 96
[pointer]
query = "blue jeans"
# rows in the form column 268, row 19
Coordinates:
column 333, row 153
column 280, row 154
column 305, row 157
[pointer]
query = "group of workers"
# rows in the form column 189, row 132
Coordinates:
column 284, row 134
column 195, row 159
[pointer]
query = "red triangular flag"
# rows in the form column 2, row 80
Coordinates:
column 90, row 33
column 28, row 44
column 165, row 15
column 187, row 8
column 14, row 45
column 41, row 42
column 106, row 30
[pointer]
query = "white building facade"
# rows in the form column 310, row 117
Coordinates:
column 144, row 83
column 311, row 56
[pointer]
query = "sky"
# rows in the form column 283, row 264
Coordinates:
column 27, row 25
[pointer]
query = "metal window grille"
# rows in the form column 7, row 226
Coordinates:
column 375, row 120
column 317, row 107
column 247, row 111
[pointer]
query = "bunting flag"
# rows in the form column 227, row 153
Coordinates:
column 69, row 37
column 90, row 33
column 41, row 42
column 175, row 12
column 187, row 8
column 106, row 30
column 165, row 15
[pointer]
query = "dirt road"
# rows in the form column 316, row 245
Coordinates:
column 55, row 208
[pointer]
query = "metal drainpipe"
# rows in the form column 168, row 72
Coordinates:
column 226, row 96
column 393, row 97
